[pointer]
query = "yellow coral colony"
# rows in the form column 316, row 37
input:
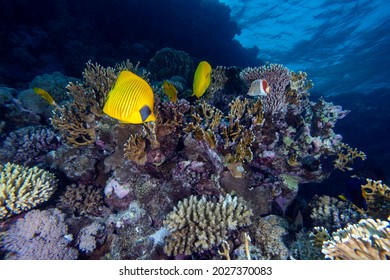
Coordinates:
column 131, row 100
column 22, row 188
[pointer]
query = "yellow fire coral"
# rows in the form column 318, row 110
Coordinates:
column 196, row 224
column 367, row 240
column 378, row 198
column 346, row 156
column 22, row 188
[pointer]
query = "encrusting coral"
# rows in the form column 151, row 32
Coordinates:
column 22, row 188
column 269, row 234
column 367, row 240
column 196, row 225
column 81, row 200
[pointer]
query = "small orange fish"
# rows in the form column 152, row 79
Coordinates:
column 45, row 95
column 170, row 90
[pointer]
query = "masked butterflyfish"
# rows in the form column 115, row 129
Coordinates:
column 131, row 100
column 170, row 90
column 259, row 87
column 45, row 95
column 202, row 78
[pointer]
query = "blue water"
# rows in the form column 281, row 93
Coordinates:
column 344, row 45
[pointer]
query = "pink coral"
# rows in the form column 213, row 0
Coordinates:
column 40, row 235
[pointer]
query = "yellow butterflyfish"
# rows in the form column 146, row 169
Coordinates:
column 202, row 79
column 45, row 95
column 170, row 90
column 131, row 100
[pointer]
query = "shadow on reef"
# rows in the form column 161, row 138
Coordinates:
column 214, row 177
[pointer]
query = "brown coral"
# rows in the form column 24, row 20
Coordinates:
column 134, row 149
column 76, row 120
column 378, row 198
column 82, row 200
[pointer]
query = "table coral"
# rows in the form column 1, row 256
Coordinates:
column 22, row 188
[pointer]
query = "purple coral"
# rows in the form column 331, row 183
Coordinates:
column 29, row 145
column 278, row 78
column 40, row 235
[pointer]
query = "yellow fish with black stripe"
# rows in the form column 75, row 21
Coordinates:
column 131, row 100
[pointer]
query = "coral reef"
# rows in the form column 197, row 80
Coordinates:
column 332, row 213
column 90, row 236
column 55, row 84
column 378, row 199
column 81, row 200
column 269, row 236
column 40, row 235
column 22, row 188
column 196, row 225
column 367, row 240
column 346, row 157
column 169, row 62
column 29, row 145
column 208, row 156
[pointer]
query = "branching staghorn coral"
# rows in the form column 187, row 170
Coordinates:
column 206, row 119
column 197, row 225
column 76, row 120
column 367, row 240
column 318, row 236
column 22, row 188
column 378, row 198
